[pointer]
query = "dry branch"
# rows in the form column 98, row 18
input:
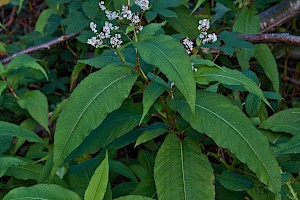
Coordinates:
column 272, row 37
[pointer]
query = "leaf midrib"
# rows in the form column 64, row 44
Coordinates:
column 88, row 105
column 215, row 114
column 182, row 171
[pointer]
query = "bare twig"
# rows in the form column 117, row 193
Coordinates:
column 46, row 45
column 279, row 14
column 272, row 37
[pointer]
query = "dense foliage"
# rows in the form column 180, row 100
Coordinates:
column 152, row 100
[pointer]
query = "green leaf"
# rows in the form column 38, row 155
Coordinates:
column 146, row 187
column 292, row 146
column 5, row 142
column 9, row 129
column 42, row 191
column 151, row 29
column 75, row 22
column 184, row 23
column 247, row 22
column 234, row 181
column 182, row 172
column 252, row 104
column 98, row 183
column 151, row 93
column 120, row 168
column 2, row 87
column 149, row 135
column 171, row 58
column 267, row 61
column 228, row 126
column 287, row 121
column 90, row 8
column 37, row 105
column 199, row 3
column 158, row 5
column 133, row 197
column 25, row 61
column 230, row 77
column 113, row 127
column 56, row 112
column 43, row 20
column 97, row 95
column 167, row 13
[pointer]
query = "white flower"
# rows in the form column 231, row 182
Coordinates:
column 143, row 4
column 126, row 13
column 188, row 44
column 101, row 35
column 194, row 68
column 135, row 19
column 111, row 15
column 210, row 38
column 203, row 35
column 101, row 5
column 93, row 27
column 204, row 25
column 94, row 41
column 116, row 41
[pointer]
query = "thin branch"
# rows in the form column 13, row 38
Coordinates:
column 273, row 38
column 278, row 14
column 46, row 45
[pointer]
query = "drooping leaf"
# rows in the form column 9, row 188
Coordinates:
column 228, row 126
column 9, row 129
column 267, row 61
column 234, row 181
column 133, row 197
column 287, row 121
column 120, row 168
column 289, row 147
column 182, row 172
column 97, row 95
column 151, row 93
column 229, row 77
column 98, row 183
column 149, row 135
column 42, row 191
column 170, row 57
column 37, row 105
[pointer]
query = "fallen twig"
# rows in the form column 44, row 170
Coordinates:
column 272, row 37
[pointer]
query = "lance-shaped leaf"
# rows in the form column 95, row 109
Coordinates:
column 182, row 172
column 37, row 105
column 228, row 126
column 97, row 186
column 9, row 129
column 170, row 57
column 229, row 77
column 42, row 191
column 287, row 121
column 97, row 95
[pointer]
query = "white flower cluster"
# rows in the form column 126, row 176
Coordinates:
column 188, row 44
column 204, row 25
column 125, row 13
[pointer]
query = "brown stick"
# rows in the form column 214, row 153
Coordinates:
column 46, row 45
column 272, row 37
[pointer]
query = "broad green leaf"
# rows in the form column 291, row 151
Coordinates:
column 167, row 13
column 8, row 161
column 43, row 20
column 25, row 61
column 234, row 181
column 229, row 77
column 75, row 21
column 97, row 95
column 98, row 183
column 120, row 168
column 151, row 93
column 113, row 127
column 247, row 22
column 151, row 29
column 37, row 105
column 184, row 23
column 228, row 126
column 149, row 135
column 146, row 187
column 252, row 104
column 199, row 3
column 42, row 191
column 182, row 172
column 133, row 197
column 267, row 61
column 90, row 8
column 158, row 5
column 5, row 142
column 2, row 87
column 9, row 129
column 170, row 57
column 287, row 121
column 272, row 95
column 106, row 59
column 289, row 147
